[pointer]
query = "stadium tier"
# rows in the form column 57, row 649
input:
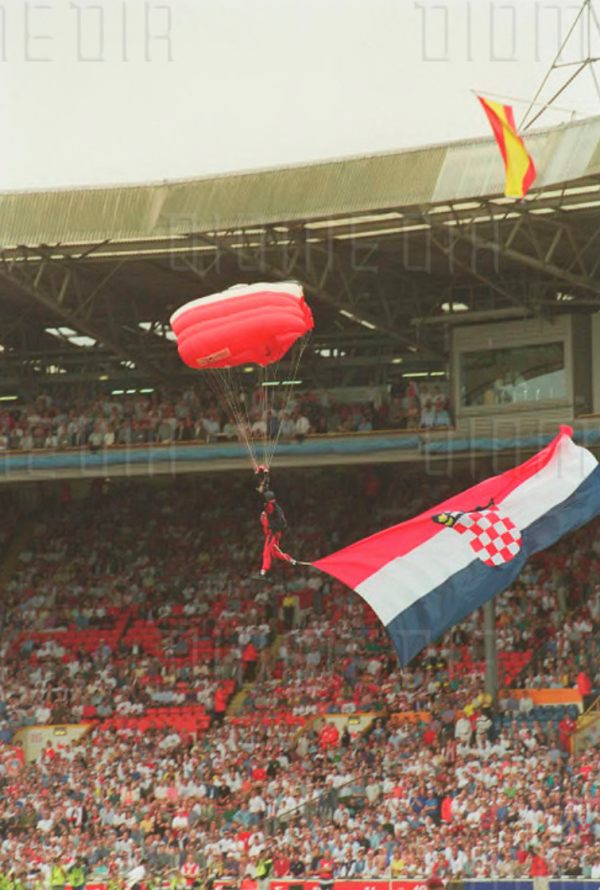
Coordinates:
column 231, row 724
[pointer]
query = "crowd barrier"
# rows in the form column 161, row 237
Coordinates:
column 154, row 455
column 458, row 884
column 546, row 696
column 387, row 884
column 149, row 456
column 517, row 443
column 349, row 885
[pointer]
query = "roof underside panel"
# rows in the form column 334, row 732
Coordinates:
column 317, row 191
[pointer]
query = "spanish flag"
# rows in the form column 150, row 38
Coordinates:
column 520, row 170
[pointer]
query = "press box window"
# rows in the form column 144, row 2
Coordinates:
column 513, row 375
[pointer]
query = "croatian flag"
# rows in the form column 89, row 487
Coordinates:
column 425, row 575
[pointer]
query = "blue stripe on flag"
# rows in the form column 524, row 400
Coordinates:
column 427, row 619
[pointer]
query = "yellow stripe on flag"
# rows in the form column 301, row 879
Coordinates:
column 520, row 170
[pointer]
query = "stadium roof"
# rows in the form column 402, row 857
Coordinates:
column 381, row 244
column 423, row 176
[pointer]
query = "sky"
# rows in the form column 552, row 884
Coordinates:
column 108, row 92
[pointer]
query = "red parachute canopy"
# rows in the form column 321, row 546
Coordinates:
column 247, row 324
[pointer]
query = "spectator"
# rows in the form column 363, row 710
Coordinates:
column 329, row 736
column 301, row 425
column 428, row 415
column 463, row 730
column 249, row 660
column 584, row 686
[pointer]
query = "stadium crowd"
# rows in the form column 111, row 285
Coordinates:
column 75, row 419
column 452, row 789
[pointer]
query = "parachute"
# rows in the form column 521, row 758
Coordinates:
column 242, row 325
column 247, row 327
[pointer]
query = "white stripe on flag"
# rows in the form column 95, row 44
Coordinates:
column 402, row 581
column 569, row 467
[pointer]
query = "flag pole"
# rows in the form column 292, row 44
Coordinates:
column 490, row 650
column 586, row 6
column 528, row 102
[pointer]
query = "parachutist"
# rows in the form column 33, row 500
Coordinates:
column 274, row 523
column 262, row 474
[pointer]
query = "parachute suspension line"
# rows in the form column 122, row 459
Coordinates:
column 225, row 389
column 240, row 413
column 272, row 406
column 280, row 408
column 264, row 399
column 273, row 398
column 269, row 385
column 287, row 395
column 264, row 406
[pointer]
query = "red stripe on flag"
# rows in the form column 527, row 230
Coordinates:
column 529, row 176
column 508, row 111
column 496, row 126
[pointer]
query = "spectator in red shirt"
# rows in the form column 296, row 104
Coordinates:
column 281, row 864
column 565, row 729
column 584, row 685
column 429, row 736
column 259, row 774
column 326, row 868
column 249, row 660
column 329, row 736
column 538, row 867
column 446, row 809
column 220, row 704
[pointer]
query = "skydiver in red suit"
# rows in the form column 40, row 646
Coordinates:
column 273, row 523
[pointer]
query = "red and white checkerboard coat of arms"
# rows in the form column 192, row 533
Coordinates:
column 492, row 535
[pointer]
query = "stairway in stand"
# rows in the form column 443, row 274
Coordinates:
column 264, row 669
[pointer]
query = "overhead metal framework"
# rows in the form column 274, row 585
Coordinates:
column 61, row 288
column 384, row 282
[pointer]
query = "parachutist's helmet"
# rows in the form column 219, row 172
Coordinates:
column 449, row 519
column 269, row 496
